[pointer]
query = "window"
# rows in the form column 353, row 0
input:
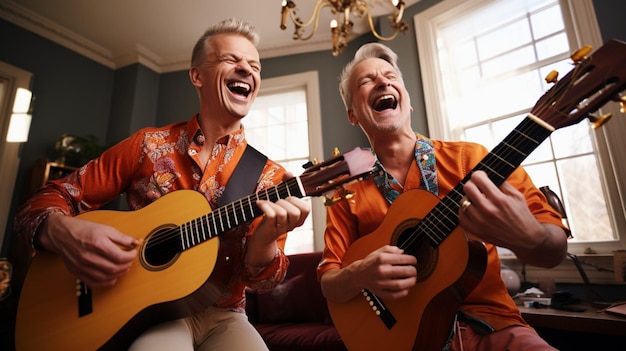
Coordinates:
column 484, row 64
column 11, row 78
column 284, row 123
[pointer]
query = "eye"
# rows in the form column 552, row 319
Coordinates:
column 365, row 81
column 255, row 66
column 229, row 59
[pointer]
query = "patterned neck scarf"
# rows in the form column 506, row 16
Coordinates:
column 425, row 160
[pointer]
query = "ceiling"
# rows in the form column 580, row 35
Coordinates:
column 161, row 33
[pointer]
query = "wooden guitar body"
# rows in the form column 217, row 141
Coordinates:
column 432, row 302
column 48, row 310
column 449, row 265
column 173, row 276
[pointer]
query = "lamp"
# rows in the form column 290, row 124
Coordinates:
column 19, row 125
column 341, row 27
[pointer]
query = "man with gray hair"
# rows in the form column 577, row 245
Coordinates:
column 367, row 259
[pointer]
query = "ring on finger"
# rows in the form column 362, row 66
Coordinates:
column 465, row 204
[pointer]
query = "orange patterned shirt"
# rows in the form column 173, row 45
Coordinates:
column 149, row 164
column 351, row 219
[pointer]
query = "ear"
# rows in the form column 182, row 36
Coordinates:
column 194, row 75
column 351, row 118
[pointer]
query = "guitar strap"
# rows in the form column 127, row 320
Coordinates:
column 244, row 179
column 425, row 160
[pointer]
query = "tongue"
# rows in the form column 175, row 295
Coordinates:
column 240, row 91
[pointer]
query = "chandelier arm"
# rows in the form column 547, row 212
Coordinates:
column 376, row 34
column 314, row 16
column 339, row 35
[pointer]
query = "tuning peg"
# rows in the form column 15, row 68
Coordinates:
column 622, row 103
column 329, row 201
column 552, row 77
column 310, row 163
column 581, row 54
column 342, row 193
column 336, row 151
column 598, row 121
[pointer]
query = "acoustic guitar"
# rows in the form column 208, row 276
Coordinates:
column 171, row 277
column 449, row 264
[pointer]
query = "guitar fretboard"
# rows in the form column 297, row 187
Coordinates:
column 231, row 215
column 498, row 164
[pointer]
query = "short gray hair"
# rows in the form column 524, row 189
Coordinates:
column 227, row 26
column 367, row 51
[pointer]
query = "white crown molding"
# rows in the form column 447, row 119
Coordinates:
column 31, row 21
column 39, row 25
column 22, row 17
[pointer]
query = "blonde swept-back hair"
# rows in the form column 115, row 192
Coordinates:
column 227, row 26
column 367, row 51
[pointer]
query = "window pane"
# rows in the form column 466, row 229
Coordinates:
column 544, row 174
column 552, row 46
column 498, row 42
column 511, row 61
column 546, row 22
column 588, row 216
column 572, row 140
column 481, row 134
column 493, row 65
column 278, row 125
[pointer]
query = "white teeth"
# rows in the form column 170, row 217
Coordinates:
column 383, row 97
column 239, row 86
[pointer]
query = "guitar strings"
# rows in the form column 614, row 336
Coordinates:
column 190, row 231
column 444, row 214
column 216, row 222
column 443, row 218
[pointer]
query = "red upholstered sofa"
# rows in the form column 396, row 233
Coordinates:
column 294, row 315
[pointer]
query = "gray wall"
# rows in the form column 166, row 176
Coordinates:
column 79, row 96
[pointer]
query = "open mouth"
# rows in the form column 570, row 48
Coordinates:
column 240, row 88
column 384, row 102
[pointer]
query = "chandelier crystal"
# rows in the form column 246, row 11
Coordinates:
column 341, row 26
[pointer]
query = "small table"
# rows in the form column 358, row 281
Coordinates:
column 592, row 320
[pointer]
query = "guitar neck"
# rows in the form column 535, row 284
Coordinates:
column 231, row 215
column 498, row 164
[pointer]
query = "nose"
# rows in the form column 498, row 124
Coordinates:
column 382, row 82
column 244, row 67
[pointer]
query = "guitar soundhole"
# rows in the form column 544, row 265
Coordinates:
column 426, row 261
column 407, row 237
column 161, row 248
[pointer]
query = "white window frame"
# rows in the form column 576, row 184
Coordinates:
column 580, row 19
column 13, row 79
column 310, row 82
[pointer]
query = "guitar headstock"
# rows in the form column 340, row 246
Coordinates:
column 594, row 81
column 322, row 177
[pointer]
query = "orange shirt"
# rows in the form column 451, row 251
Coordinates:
column 149, row 164
column 351, row 219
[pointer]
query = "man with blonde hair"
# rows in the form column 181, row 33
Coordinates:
column 199, row 154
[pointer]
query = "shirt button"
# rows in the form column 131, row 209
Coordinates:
column 192, row 152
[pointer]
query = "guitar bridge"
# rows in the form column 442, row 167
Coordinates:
column 83, row 295
column 378, row 306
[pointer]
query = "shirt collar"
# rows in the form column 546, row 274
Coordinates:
column 196, row 138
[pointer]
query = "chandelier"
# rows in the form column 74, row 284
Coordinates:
column 341, row 26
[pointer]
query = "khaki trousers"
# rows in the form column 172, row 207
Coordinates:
column 215, row 329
